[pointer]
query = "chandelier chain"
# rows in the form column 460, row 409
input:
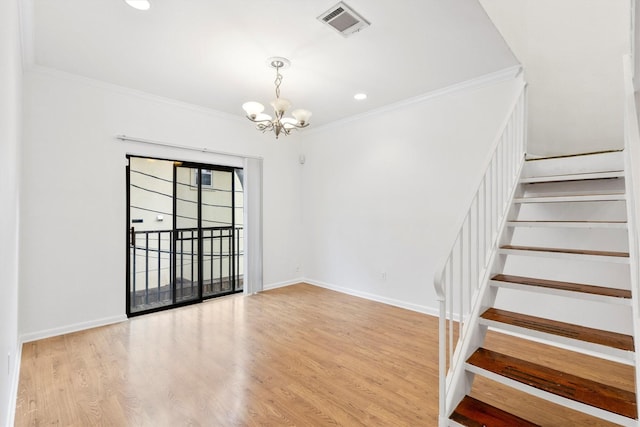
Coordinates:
column 278, row 81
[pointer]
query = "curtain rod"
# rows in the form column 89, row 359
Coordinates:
column 184, row 147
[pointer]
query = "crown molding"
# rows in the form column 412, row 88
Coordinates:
column 471, row 84
column 26, row 18
column 492, row 78
column 123, row 90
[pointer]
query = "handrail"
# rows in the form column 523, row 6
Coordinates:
column 632, row 183
column 475, row 242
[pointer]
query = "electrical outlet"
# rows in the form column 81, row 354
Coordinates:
column 383, row 275
column 8, row 363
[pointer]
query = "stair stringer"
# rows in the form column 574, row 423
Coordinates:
column 460, row 380
column 634, row 268
column 632, row 185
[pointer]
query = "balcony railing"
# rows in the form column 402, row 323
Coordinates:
column 166, row 271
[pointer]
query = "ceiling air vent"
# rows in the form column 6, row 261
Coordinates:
column 343, row 19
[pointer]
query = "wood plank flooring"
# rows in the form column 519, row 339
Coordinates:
column 295, row 356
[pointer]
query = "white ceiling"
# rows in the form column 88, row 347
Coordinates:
column 213, row 53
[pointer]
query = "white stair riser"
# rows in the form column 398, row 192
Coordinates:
column 576, row 164
column 601, row 186
column 589, row 239
column 614, row 354
column 591, row 314
column 566, row 256
column 563, row 293
column 576, row 211
column 590, row 273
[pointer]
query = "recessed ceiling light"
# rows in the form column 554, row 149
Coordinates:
column 139, row 4
column 360, row 96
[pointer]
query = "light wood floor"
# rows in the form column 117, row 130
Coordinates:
column 299, row 355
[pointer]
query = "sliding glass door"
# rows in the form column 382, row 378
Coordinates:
column 185, row 235
column 187, row 231
column 219, row 233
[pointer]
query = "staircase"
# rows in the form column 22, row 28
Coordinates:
column 559, row 282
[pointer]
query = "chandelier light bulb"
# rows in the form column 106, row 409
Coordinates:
column 280, row 105
column 262, row 117
column 252, row 108
column 139, row 4
column 302, row 116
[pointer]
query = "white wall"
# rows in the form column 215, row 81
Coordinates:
column 375, row 195
column 10, row 117
column 636, row 44
column 572, row 54
column 73, row 217
column 383, row 194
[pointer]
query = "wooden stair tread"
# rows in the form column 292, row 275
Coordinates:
column 559, row 383
column 568, row 251
column 565, row 286
column 562, row 329
column 472, row 412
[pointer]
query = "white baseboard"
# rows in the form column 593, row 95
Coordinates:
column 283, row 284
column 373, row 297
column 47, row 333
column 33, row 336
column 13, row 391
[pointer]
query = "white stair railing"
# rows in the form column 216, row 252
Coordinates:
column 632, row 184
column 463, row 271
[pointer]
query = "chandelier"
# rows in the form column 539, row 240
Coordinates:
column 278, row 124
